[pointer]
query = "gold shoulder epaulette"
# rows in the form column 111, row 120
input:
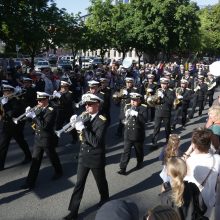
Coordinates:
column 108, row 87
column 170, row 89
column 70, row 92
column 102, row 93
column 134, row 87
column 188, row 89
column 102, row 117
column 50, row 108
column 144, row 105
column 155, row 83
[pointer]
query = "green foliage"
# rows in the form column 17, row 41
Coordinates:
column 99, row 25
column 210, row 30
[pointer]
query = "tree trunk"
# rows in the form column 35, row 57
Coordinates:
column 74, row 52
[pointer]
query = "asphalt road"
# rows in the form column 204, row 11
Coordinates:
column 50, row 199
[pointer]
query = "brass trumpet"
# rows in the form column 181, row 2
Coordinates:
column 13, row 95
column 71, row 125
column 23, row 116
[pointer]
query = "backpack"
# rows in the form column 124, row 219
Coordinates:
column 199, row 207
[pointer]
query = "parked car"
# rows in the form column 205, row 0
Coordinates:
column 64, row 65
column 86, row 62
column 52, row 59
column 41, row 65
column 96, row 61
column 70, row 58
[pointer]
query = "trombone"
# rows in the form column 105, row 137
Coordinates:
column 71, row 125
column 23, row 116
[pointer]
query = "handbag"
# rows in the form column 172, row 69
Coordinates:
column 200, row 207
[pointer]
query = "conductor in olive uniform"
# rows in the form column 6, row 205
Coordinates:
column 134, row 133
column 92, row 154
column 45, row 139
column 11, row 107
column 163, row 108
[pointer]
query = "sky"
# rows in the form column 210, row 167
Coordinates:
column 75, row 6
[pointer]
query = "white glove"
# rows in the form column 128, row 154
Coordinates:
column 149, row 90
column 127, row 113
column 18, row 89
column 30, row 115
column 56, row 94
column 160, row 94
column 27, row 109
column 73, row 119
column 79, row 126
column 124, row 92
column 134, row 113
column 145, row 97
column 4, row 100
column 149, row 99
column 179, row 97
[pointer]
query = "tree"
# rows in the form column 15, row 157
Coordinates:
column 121, row 23
column 28, row 24
column 210, row 30
column 73, row 33
column 99, row 26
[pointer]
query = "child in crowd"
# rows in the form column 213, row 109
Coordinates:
column 171, row 150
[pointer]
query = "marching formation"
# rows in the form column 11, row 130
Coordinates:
column 79, row 103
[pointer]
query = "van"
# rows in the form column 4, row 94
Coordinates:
column 70, row 58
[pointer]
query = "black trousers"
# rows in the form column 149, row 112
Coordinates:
column 181, row 111
column 210, row 97
column 150, row 113
column 157, row 125
column 125, row 157
column 82, row 173
column 37, row 159
column 200, row 104
column 6, row 136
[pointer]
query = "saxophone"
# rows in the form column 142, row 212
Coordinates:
column 210, row 84
column 148, row 93
column 154, row 100
column 177, row 101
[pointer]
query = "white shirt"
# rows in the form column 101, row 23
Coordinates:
column 198, row 166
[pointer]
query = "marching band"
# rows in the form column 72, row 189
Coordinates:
column 159, row 96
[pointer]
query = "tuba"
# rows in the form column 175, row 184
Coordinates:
column 154, row 100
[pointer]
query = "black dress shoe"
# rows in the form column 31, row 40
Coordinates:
column 26, row 160
column 173, row 127
column 57, row 176
column 153, row 147
column 122, row 172
column 139, row 166
column 27, row 186
column 70, row 217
